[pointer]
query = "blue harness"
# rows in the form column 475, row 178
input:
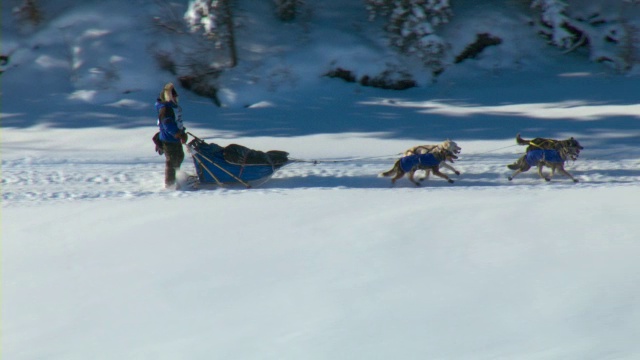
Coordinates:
column 533, row 157
column 427, row 160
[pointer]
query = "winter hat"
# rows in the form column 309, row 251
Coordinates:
column 169, row 93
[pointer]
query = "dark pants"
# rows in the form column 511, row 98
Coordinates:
column 174, row 155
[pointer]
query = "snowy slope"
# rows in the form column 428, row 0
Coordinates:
column 324, row 261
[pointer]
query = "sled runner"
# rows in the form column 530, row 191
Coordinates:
column 234, row 164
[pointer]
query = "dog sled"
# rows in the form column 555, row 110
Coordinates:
column 234, row 164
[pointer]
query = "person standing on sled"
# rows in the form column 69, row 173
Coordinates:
column 172, row 133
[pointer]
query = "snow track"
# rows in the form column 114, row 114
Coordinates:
column 34, row 180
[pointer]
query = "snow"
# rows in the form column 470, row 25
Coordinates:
column 324, row 261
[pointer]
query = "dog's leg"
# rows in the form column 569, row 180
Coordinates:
column 438, row 173
column 553, row 170
column 563, row 171
column 450, row 168
column 519, row 166
column 395, row 171
column 514, row 174
column 540, row 165
column 411, row 173
column 399, row 175
column 393, row 179
column 427, row 172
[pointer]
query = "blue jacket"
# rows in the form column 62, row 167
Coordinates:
column 409, row 162
column 167, row 121
column 533, row 157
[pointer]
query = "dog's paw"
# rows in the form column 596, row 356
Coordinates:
column 547, row 179
column 458, row 173
column 575, row 180
column 450, row 181
column 510, row 178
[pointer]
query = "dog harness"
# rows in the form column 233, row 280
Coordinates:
column 409, row 162
column 555, row 144
column 533, row 157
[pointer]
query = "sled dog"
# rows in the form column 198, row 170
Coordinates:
column 449, row 145
column 551, row 158
column 429, row 162
column 551, row 144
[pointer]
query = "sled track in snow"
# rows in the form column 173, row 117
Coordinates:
column 32, row 181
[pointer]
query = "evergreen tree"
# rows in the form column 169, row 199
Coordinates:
column 608, row 35
column 553, row 15
column 411, row 25
column 215, row 19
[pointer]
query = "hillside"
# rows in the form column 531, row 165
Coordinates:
column 92, row 59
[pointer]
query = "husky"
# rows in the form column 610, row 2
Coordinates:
column 429, row 162
column 551, row 158
column 551, row 144
column 449, row 145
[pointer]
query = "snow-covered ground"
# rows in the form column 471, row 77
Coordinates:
column 324, row 261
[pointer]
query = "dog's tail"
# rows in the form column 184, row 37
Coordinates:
column 521, row 163
column 522, row 141
column 391, row 171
